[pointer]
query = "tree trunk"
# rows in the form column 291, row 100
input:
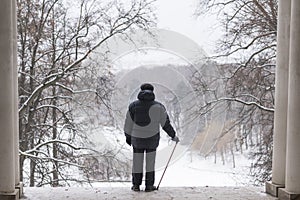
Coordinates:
column 32, row 170
column 232, row 153
column 222, row 155
column 246, row 142
column 32, row 165
column 54, row 111
column 241, row 145
column 54, row 136
column 215, row 161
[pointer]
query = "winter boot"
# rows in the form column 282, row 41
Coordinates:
column 150, row 188
column 135, row 188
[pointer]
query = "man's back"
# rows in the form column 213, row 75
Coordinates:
column 143, row 121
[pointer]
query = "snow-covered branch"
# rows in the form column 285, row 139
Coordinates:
column 49, row 159
column 75, row 91
column 251, row 103
column 250, row 44
column 53, row 141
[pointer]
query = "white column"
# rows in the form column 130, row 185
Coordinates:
column 293, row 126
column 281, row 93
column 7, row 143
column 15, row 93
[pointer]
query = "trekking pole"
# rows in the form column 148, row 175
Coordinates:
column 166, row 166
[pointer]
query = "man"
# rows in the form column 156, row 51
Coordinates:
column 142, row 126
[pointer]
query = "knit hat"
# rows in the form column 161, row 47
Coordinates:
column 147, row 86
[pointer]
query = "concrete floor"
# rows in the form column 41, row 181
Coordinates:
column 169, row 193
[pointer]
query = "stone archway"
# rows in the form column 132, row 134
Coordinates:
column 286, row 160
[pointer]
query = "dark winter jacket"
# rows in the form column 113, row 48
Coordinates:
column 143, row 121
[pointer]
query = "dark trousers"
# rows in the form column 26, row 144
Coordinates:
column 137, row 167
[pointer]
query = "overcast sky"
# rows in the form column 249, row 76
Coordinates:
column 178, row 15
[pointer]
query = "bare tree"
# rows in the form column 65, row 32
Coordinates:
column 249, row 41
column 54, row 38
column 249, row 29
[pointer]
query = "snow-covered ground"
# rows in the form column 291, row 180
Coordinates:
column 199, row 172
column 187, row 169
column 174, row 193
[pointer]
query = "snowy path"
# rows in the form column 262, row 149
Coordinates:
column 165, row 193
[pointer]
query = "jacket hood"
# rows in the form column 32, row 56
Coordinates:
column 146, row 95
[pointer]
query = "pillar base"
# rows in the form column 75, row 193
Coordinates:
column 10, row 196
column 283, row 194
column 272, row 188
column 20, row 188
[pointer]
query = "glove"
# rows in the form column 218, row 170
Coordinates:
column 128, row 140
column 175, row 139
